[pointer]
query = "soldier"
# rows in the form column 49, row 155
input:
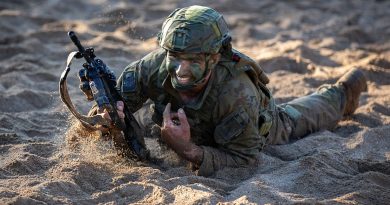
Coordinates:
column 212, row 102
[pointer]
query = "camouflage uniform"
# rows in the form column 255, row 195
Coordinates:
column 235, row 116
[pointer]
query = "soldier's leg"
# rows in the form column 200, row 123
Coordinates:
column 305, row 115
column 320, row 110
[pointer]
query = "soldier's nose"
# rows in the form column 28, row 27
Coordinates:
column 183, row 69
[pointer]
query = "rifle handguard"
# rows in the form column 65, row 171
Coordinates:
column 127, row 135
column 90, row 122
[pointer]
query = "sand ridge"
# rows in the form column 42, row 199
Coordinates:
column 300, row 45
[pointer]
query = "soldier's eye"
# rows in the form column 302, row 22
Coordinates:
column 173, row 55
column 196, row 61
column 172, row 58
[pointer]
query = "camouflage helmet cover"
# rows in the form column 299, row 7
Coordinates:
column 194, row 29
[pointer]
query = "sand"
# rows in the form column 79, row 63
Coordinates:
column 300, row 44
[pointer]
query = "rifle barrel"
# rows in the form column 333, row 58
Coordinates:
column 76, row 41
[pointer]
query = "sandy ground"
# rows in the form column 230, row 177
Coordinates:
column 300, row 44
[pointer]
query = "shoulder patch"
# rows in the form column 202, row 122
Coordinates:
column 231, row 126
column 129, row 83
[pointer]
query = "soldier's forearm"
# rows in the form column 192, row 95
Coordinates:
column 193, row 153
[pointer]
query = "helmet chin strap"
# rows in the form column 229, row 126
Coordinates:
column 192, row 85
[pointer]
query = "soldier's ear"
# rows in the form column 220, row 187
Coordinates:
column 215, row 58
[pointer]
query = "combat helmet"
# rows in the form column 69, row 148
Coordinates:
column 194, row 29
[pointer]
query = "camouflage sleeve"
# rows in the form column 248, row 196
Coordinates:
column 135, row 81
column 236, row 134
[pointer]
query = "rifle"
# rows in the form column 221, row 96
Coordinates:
column 99, row 83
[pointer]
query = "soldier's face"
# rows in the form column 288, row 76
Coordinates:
column 187, row 67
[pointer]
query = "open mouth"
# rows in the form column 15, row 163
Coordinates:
column 184, row 79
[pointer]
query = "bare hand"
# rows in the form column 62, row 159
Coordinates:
column 104, row 113
column 176, row 129
column 176, row 133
